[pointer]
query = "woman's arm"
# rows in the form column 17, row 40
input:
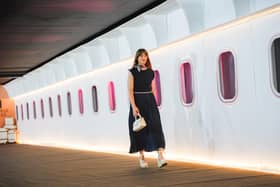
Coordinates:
column 131, row 95
column 154, row 87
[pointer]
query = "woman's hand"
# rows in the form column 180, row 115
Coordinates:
column 135, row 111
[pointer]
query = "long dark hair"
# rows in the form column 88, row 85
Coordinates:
column 139, row 52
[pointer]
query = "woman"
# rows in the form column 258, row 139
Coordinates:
column 141, row 87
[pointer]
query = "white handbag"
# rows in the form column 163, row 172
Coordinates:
column 139, row 123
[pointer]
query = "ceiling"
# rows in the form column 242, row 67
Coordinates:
column 34, row 32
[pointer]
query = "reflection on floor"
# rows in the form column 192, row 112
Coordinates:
column 25, row 165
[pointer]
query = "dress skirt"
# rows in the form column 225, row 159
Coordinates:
column 151, row 137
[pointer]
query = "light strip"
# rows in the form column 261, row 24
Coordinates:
column 130, row 59
column 168, row 156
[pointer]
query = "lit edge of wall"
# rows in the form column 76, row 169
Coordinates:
column 171, row 157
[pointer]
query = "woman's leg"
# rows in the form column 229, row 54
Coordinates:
column 142, row 162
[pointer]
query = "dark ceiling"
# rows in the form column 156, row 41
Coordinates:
column 33, row 32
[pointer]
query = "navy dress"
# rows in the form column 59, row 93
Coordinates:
column 151, row 137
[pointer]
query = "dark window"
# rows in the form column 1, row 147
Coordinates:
column 158, row 87
column 34, row 110
column 21, row 108
column 42, row 109
column 227, row 75
column 94, row 98
column 186, row 83
column 81, row 101
column 69, row 103
column 59, row 105
column 17, row 111
column 276, row 63
column 111, row 93
column 50, row 106
column 27, row 111
column 0, row 103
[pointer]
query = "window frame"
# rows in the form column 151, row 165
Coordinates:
column 160, row 87
column 27, row 111
column 112, row 96
column 59, row 106
column 17, row 116
column 69, row 103
column 189, row 61
column 42, row 108
column 271, row 76
column 81, row 101
column 232, row 100
column 34, row 110
column 50, row 106
column 22, row 112
column 95, row 110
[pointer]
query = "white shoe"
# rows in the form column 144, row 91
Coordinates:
column 143, row 163
column 161, row 162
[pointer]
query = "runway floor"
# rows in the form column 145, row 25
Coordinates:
column 26, row 165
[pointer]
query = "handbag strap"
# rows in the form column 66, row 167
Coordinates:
column 138, row 115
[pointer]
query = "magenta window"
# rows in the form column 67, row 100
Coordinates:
column 21, row 108
column 59, row 105
column 186, row 83
column 42, row 109
column 27, row 111
column 17, row 112
column 69, row 103
column 34, row 110
column 94, row 98
column 50, row 107
column 227, row 75
column 111, row 93
column 158, row 87
column 81, row 101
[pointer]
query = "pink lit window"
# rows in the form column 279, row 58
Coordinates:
column 158, row 88
column 34, row 110
column 227, row 75
column 69, row 103
column 42, row 109
column 111, row 93
column 94, row 98
column 27, row 111
column 17, row 111
column 21, row 108
column 186, row 83
column 59, row 105
column 50, row 106
column 81, row 101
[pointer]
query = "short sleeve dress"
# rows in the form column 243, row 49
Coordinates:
column 150, row 138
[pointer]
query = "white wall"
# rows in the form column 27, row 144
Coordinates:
column 242, row 133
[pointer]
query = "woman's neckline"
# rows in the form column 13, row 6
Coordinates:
column 144, row 69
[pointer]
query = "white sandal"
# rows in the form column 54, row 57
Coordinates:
column 161, row 162
column 143, row 163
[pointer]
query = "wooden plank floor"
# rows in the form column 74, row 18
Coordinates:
column 25, row 165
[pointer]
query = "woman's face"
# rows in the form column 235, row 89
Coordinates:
column 142, row 59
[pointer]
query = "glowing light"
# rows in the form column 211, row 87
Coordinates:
column 171, row 157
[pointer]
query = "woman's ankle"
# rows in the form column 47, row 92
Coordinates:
column 160, row 153
column 141, row 155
